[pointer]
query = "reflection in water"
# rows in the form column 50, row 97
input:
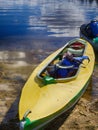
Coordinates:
column 42, row 18
column 13, row 58
column 4, row 55
column 39, row 18
column 89, row 2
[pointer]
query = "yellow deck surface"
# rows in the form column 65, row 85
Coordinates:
column 45, row 100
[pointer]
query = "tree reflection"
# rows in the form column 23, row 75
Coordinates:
column 89, row 1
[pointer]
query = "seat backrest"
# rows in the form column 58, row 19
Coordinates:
column 76, row 52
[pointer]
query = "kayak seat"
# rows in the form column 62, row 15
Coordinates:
column 65, row 71
column 78, row 52
column 77, row 45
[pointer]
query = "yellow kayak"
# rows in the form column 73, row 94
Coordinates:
column 47, row 95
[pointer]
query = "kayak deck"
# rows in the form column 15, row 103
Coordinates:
column 64, row 66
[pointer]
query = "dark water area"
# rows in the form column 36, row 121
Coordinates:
column 40, row 19
column 27, row 25
column 30, row 30
column 45, row 18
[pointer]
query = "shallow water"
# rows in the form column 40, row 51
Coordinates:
column 29, row 32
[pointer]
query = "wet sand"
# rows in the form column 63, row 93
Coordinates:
column 83, row 116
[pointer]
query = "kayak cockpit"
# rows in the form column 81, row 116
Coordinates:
column 65, row 65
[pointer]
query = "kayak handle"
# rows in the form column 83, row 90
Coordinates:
column 26, row 113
